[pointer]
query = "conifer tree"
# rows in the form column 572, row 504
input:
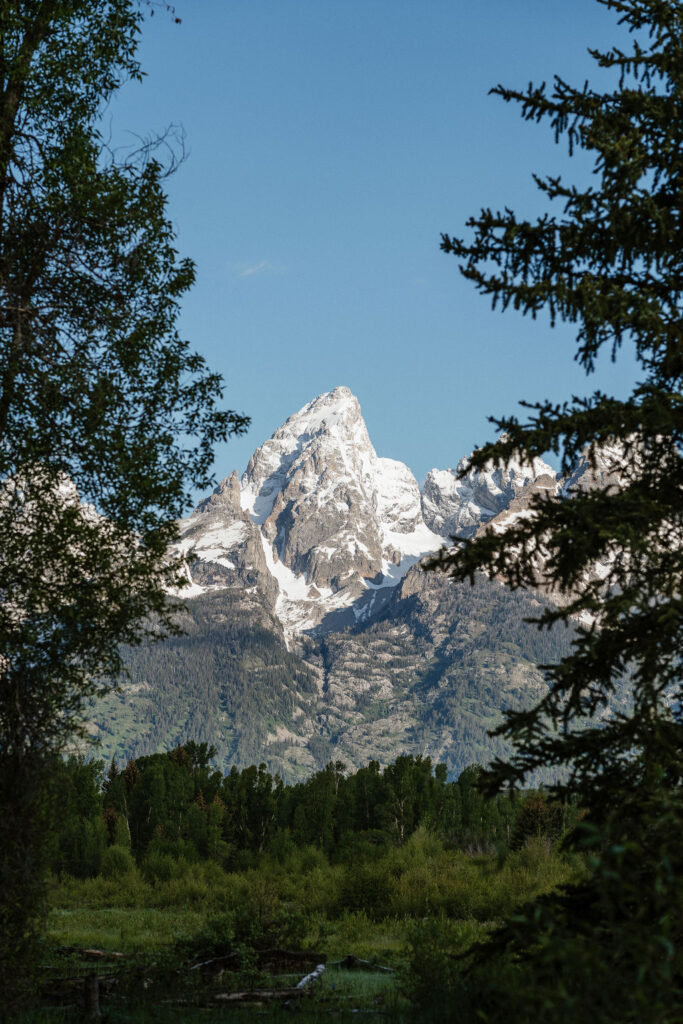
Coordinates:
column 607, row 257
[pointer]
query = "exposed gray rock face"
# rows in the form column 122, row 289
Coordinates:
column 222, row 547
column 325, row 528
column 457, row 507
column 520, row 504
column 607, row 471
column 225, row 498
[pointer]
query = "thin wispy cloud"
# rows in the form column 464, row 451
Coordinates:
column 240, row 270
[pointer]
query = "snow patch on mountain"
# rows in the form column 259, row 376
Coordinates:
column 215, row 543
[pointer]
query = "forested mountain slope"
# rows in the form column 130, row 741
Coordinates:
column 429, row 676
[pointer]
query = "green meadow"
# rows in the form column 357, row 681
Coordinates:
column 196, row 911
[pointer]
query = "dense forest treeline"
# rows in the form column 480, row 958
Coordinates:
column 228, row 679
column 175, row 806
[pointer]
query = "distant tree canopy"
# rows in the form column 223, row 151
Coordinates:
column 176, row 805
column 611, row 261
column 107, row 416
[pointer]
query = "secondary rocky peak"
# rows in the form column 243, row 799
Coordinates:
column 455, row 505
column 606, row 467
column 225, row 498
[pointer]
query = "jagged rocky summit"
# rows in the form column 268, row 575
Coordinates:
column 311, row 631
column 326, row 527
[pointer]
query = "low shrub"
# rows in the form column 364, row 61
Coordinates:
column 432, row 971
column 117, row 861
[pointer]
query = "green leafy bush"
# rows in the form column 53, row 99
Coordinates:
column 117, row 861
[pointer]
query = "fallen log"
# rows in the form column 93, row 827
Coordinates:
column 273, row 960
column 101, row 954
column 218, row 964
column 89, row 954
column 351, row 963
column 258, row 995
column 311, row 978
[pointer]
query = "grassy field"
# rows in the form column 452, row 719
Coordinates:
column 152, row 937
column 387, row 912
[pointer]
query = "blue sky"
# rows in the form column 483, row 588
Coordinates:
column 330, row 142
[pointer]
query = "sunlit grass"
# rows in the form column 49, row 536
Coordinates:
column 124, row 930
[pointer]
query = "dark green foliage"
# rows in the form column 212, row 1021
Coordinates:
column 539, row 817
column 175, row 807
column 116, row 861
column 434, row 972
column 354, row 891
column 96, row 385
column 252, row 798
column 610, row 261
column 82, row 835
column 25, row 817
column 107, row 417
column 597, row 935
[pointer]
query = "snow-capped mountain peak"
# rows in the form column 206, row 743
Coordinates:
column 331, row 513
column 326, row 528
column 332, row 421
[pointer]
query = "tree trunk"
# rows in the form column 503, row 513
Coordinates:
column 91, row 998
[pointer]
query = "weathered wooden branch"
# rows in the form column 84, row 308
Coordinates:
column 311, row 978
column 216, row 964
column 258, row 995
column 90, row 954
column 271, row 960
column 354, row 963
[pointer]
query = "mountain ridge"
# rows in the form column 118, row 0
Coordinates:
column 312, row 631
column 337, row 523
